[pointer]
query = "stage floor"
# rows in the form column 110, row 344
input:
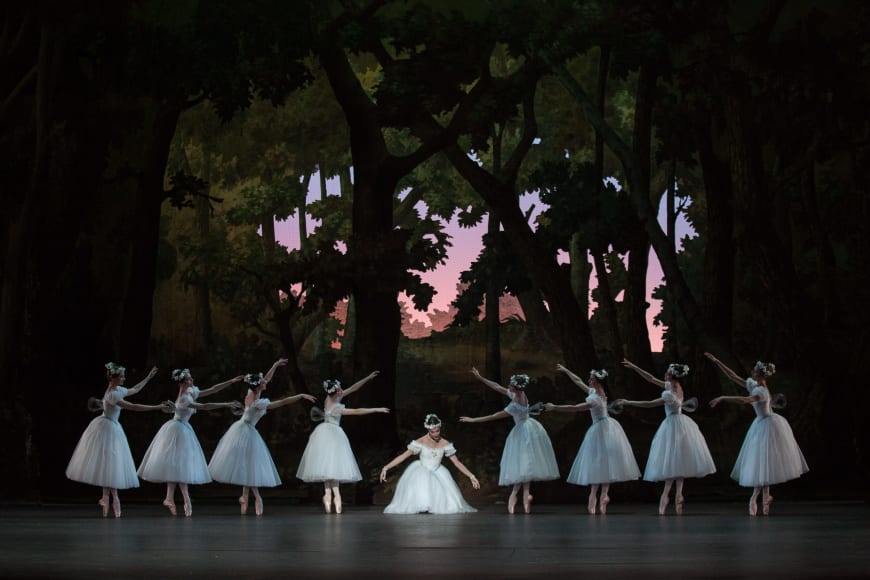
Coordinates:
column 710, row 540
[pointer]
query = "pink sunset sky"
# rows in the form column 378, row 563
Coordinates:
column 466, row 247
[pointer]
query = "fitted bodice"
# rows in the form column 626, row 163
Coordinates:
column 255, row 411
column 673, row 402
column 762, row 405
column 183, row 410
column 430, row 457
column 333, row 414
column 515, row 410
column 597, row 406
column 111, row 398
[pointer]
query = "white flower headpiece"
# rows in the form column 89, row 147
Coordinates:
column 113, row 370
column 254, row 379
column 678, row 370
column 599, row 375
column 179, row 375
column 331, row 386
column 520, row 381
column 767, row 369
column 431, row 421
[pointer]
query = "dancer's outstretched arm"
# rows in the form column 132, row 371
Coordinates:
column 734, row 399
column 574, row 378
column 499, row 415
column 644, row 374
column 644, row 404
column 491, row 384
column 212, row 406
column 474, row 483
column 167, row 406
column 138, row 386
column 728, row 372
column 358, row 385
column 347, row 411
column 221, row 386
column 567, row 408
column 397, row 460
column 291, row 400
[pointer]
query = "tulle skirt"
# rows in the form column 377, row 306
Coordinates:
column 102, row 456
column 769, row 454
column 528, row 455
column 605, row 456
column 328, row 456
column 678, row 450
column 242, row 458
column 423, row 490
column 175, row 456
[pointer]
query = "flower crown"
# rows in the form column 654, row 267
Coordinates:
column 767, row 369
column 114, row 370
column 520, row 381
column 254, row 379
column 331, row 385
column 677, row 370
column 599, row 375
column 179, row 375
column 431, row 421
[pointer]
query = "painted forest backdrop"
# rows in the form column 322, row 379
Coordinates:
column 147, row 149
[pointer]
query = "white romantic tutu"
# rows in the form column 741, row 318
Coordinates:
column 678, row 450
column 528, row 455
column 242, row 458
column 175, row 456
column 328, row 456
column 421, row 489
column 769, row 454
column 605, row 456
column 102, row 456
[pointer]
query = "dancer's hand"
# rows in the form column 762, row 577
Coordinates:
column 549, row 406
column 466, row 420
column 715, row 401
column 383, row 475
column 309, row 398
column 236, row 406
column 382, row 410
column 475, row 372
column 237, row 379
column 152, row 372
column 561, row 368
column 474, row 483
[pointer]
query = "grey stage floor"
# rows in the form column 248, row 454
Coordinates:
column 713, row 540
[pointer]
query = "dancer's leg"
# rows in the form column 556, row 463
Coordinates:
column 663, row 502
column 527, row 496
column 593, row 499
column 104, row 501
column 753, row 506
column 188, row 507
column 678, row 495
column 258, row 501
column 169, row 502
column 604, row 498
column 327, row 497
column 512, row 499
column 116, row 503
column 243, row 500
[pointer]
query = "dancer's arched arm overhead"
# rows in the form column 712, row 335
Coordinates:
column 734, row 377
column 358, row 385
column 644, row 374
column 499, row 415
column 140, row 385
column 278, row 363
column 574, row 378
column 491, row 384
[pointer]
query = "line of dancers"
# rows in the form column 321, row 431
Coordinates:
column 102, row 457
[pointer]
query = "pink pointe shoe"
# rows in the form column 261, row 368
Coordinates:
column 258, row 506
column 243, row 502
column 663, row 505
column 188, row 508
column 527, row 503
column 591, row 504
column 171, row 505
column 327, row 503
column 603, row 504
column 678, row 504
column 753, row 507
column 116, row 507
column 104, row 503
column 765, row 505
column 337, row 502
column 512, row 503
